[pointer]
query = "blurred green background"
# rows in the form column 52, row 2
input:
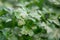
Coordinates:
column 29, row 19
